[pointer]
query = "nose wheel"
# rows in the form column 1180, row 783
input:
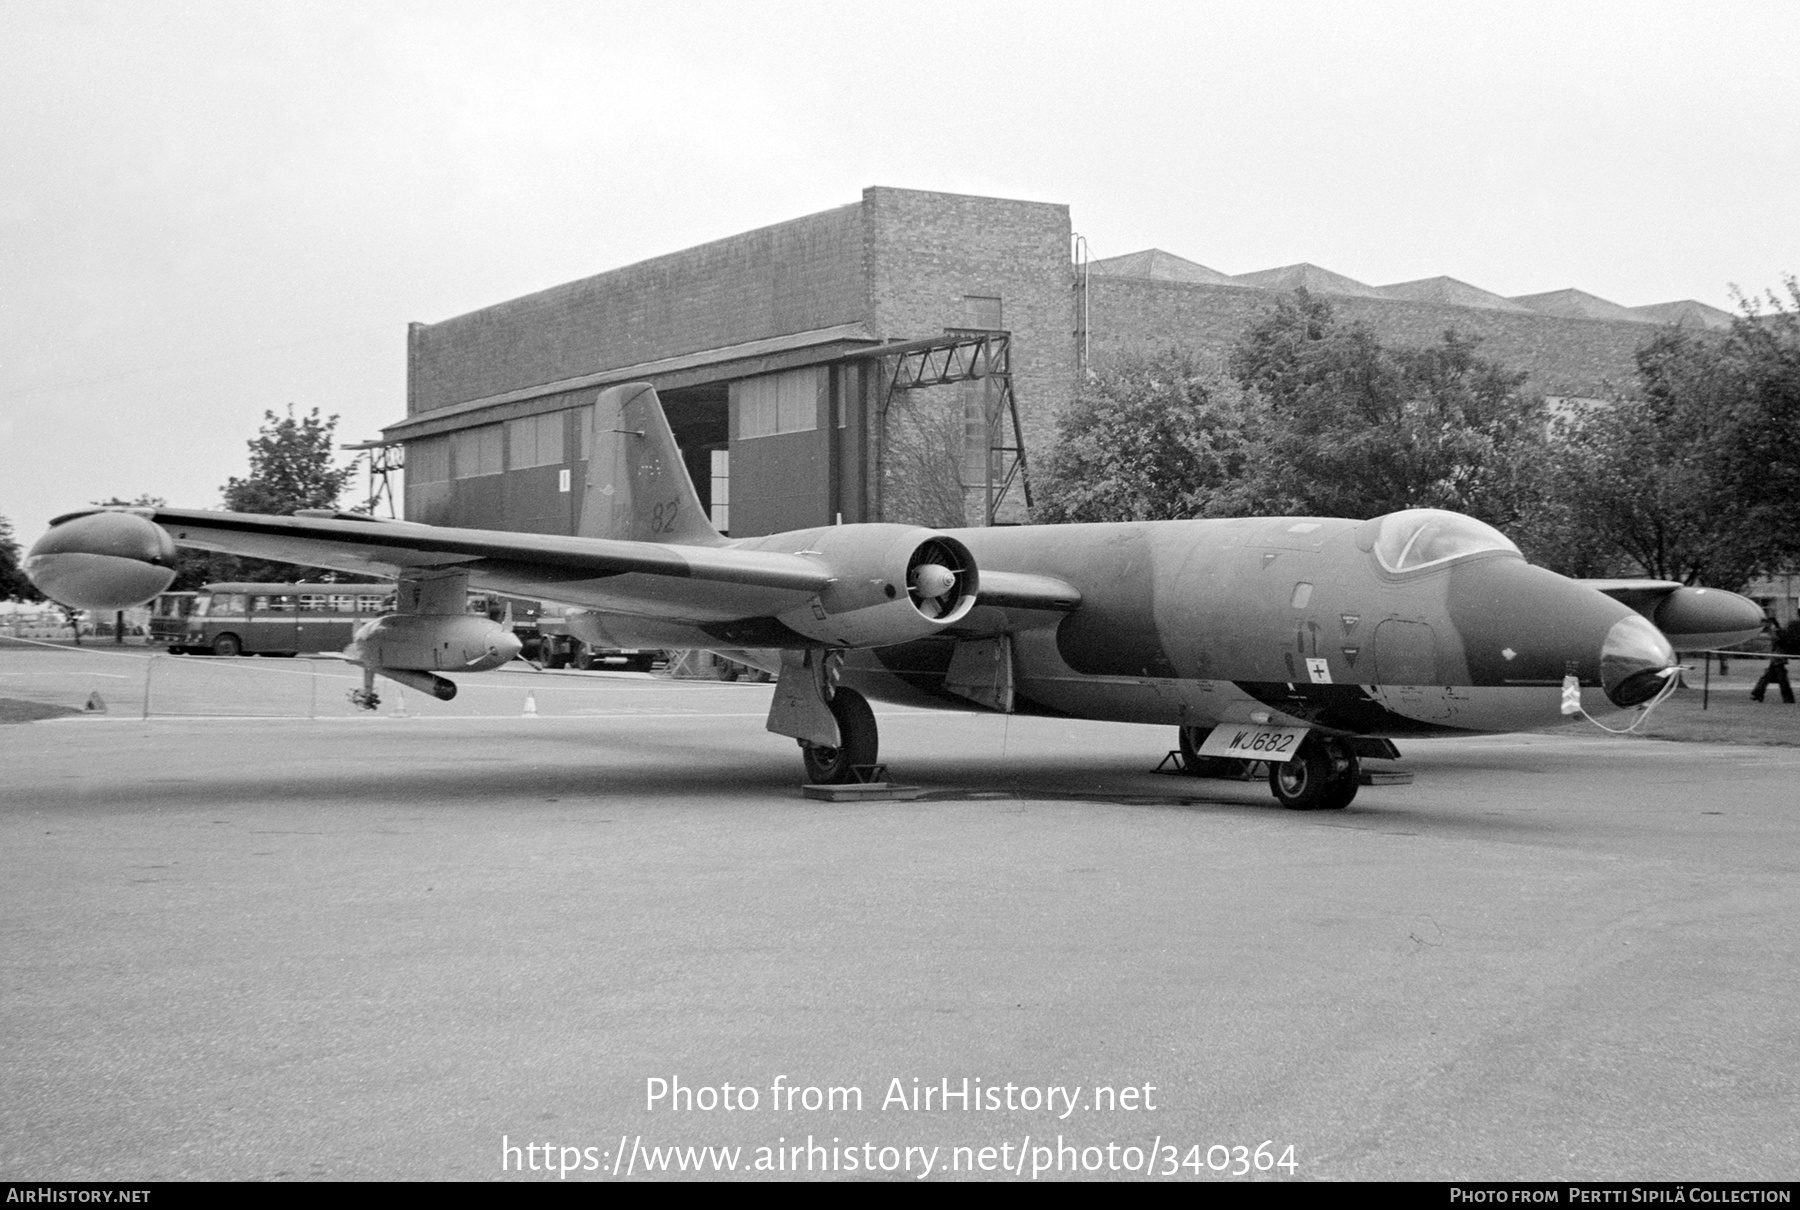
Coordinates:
column 1322, row 776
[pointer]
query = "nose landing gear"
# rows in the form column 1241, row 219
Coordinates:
column 1322, row 776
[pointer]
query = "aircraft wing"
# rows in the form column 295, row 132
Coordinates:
column 389, row 548
column 650, row 567
column 1011, row 601
column 1627, row 591
column 755, row 591
column 1021, row 590
column 696, row 582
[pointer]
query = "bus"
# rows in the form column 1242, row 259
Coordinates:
column 279, row 619
column 169, row 619
column 289, row 619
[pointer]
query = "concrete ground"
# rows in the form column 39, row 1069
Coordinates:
column 396, row 946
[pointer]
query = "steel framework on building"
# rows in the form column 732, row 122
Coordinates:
column 385, row 457
column 963, row 355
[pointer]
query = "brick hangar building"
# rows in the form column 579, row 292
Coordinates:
column 901, row 358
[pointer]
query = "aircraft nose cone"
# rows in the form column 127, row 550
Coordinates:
column 1633, row 661
column 103, row 561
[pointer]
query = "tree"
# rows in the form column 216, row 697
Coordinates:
column 1154, row 434
column 291, row 467
column 13, row 584
column 1694, row 475
column 1354, row 428
column 1636, row 485
column 1761, row 356
column 922, row 461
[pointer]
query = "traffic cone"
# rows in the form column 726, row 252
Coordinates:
column 530, row 705
column 95, row 704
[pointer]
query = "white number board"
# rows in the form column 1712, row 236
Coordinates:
column 1250, row 742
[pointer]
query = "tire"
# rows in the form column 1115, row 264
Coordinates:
column 1189, row 740
column 861, row 742
column 727, row 671
column 228, row 644
column 1322, row 776
column 584, row 660
column 1195, row 765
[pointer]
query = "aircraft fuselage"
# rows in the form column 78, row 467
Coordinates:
column 1283, row 620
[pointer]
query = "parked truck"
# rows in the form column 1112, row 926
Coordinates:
column 545, row 633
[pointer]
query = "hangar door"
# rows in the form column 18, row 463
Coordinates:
column 796, row 449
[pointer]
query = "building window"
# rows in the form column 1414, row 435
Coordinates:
column 982, row 311
column 721, row 490
column 535, row 441
column 777, row 403
column 476, row 452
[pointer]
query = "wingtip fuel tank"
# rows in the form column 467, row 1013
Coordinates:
column 104, row 561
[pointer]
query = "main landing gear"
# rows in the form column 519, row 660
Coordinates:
column 366, row 698
column 832, row 722
column 1322, row 776
column 859, row 742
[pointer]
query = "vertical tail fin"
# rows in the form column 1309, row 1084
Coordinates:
column 638, row 488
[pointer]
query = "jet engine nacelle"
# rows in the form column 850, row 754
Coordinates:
column 424, row 642
column 893, row 584
column 104, row 561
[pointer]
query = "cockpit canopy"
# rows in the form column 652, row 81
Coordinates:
column 1425, row 537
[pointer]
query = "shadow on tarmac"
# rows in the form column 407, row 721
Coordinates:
column 409, row 769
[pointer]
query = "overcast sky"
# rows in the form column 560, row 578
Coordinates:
column 210, row 210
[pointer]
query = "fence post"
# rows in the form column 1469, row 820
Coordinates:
column 149, row 667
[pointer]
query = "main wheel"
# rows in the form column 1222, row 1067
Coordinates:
column 860, row 742
column 1195, row 765
column 1190, row 739
column 1322, row 776
column 228, row 644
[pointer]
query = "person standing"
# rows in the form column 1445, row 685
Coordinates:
column 1783, row 643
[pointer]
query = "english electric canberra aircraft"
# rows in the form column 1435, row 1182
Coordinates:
column 1304, row 642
